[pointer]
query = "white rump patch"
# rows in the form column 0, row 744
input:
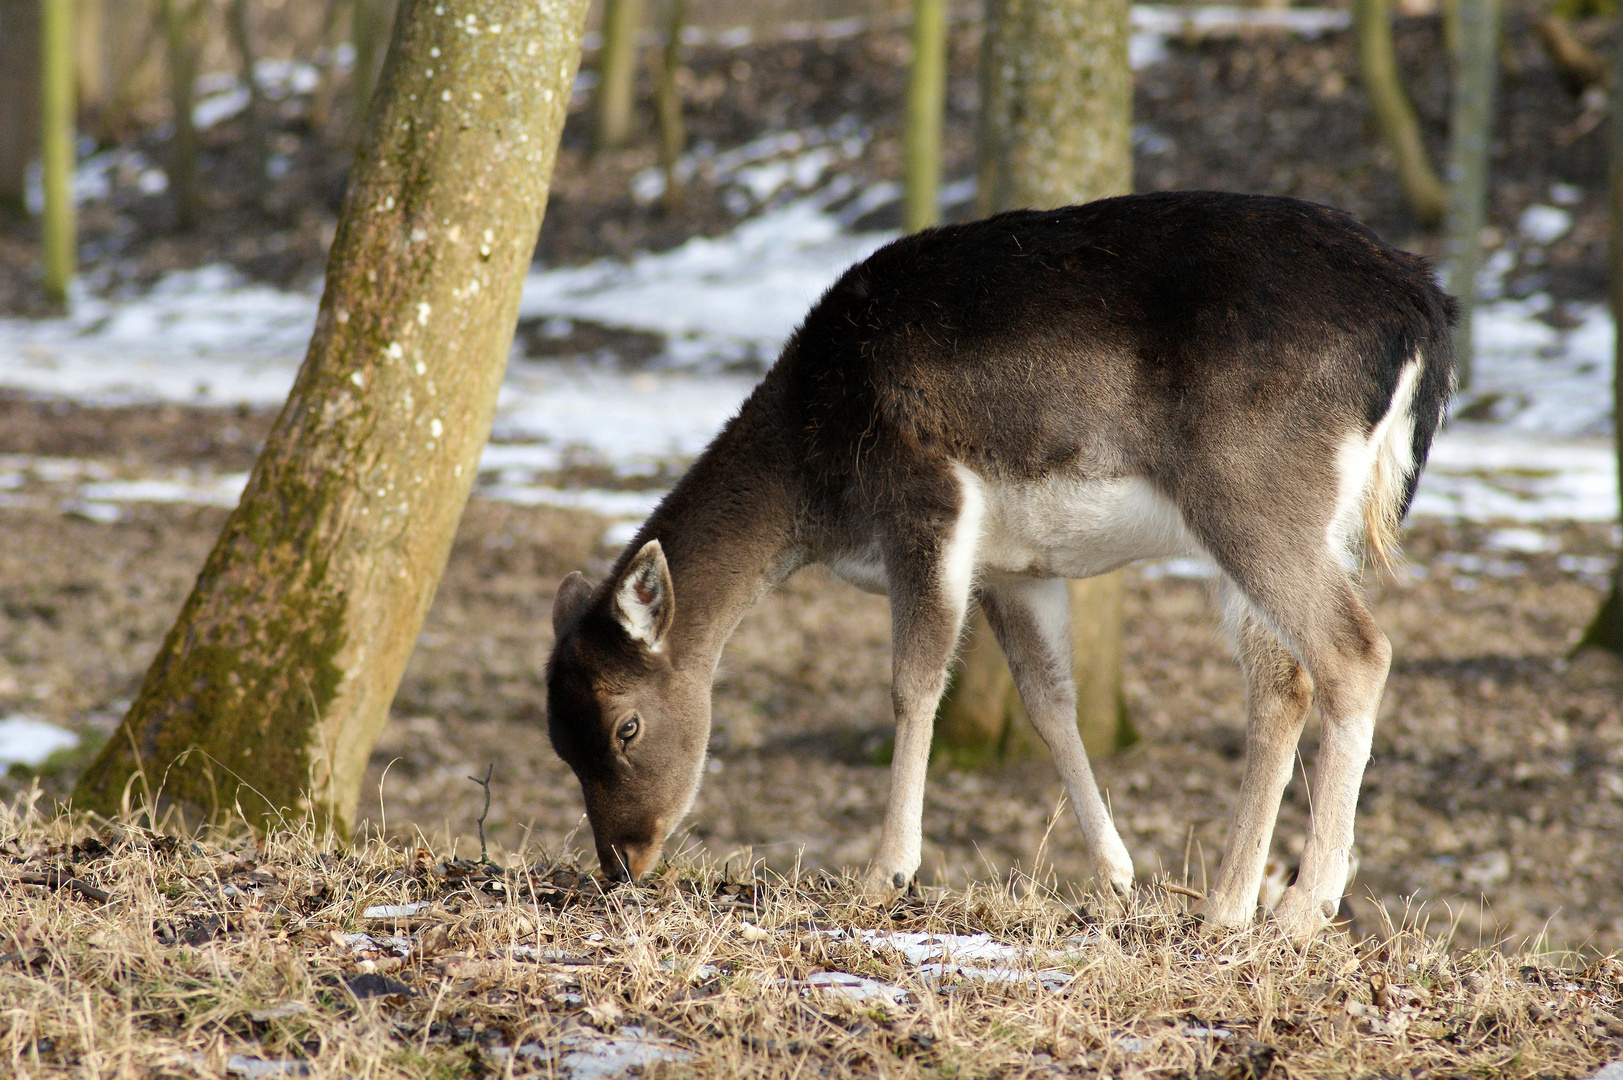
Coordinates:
column 1388, row 451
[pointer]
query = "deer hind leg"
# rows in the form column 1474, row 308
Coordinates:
column 930, row 569
column 1032, row 621
column 1278, row 693
column 1319, row 616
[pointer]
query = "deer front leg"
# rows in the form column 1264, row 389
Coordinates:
column 930, row 572
column 1032, row 620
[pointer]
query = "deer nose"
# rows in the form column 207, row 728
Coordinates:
column 628, row 861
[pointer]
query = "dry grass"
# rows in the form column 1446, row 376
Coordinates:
column 125, row 951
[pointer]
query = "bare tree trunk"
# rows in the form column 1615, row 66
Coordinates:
column 19, row 91
column 1056, row 109
column 1379, row 65
column 1605, row 631
column 58, row 124
column 1469, row 137
column 239, row 16
column 926, row 100
column 182, row 24
column 668, row 103
column 370, row 24
column 616, row 74
column 274, row 683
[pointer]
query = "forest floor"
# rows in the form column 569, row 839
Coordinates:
column 1493, row 805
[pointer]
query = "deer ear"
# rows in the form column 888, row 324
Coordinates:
column 573, row 593
column 644, row 602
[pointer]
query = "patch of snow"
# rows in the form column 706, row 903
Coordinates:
column 1614, row 1071
column 582, row 1057
column 1525, row 541
column 1544, row 224
column 258, row 1068
column 394, row 911
column 28, row 740
column 225, row 490
column 854, row 987
column 399, row 946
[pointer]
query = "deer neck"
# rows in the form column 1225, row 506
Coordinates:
column 728, row 531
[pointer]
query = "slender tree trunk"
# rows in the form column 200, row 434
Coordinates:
column 616, row 74
column 1470, row 136
column 182, row 22
column 370, row 24
column 239, row 16
column 1379, row 65
column 1605, row 631
column 58, row 124
column 673, row 136
column 19, row 93
column 274, row 683
column 926, row 100
column 1056, row 110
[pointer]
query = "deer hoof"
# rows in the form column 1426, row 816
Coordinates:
column 1301, row 917
column 1221, row 914
column 880, row 887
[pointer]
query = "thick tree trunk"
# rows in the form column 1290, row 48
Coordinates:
column 1605, row 631
column 926, row 100
column 58, row 130
column 277, row 678
column 1470, row 135
column 1379, row 66
column 19, row 90
column 1056, row 110
column 616, row 74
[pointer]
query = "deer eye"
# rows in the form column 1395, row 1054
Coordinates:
column 628, row 730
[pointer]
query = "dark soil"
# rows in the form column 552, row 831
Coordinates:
column 1265, row 113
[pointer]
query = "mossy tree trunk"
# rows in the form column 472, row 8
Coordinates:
column 926, row 101
column 1605, row 631
column 1056, row 111
column 58, row 130
column 274, row 683
column 1469, row 137
column 370, row 24
column 673, row 136
column 616, row 74
column 1378, row 65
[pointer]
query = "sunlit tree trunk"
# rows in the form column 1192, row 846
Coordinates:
column 1470, row 136
column 58, row 129
column 1605, row 631
column 1056, row 110
column 926, row 100
column 668, row 102
column 1378, row 64
column 275, row 681
column 19, row 101
column 616, row 74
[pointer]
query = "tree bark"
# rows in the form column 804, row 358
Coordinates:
column 1605, row 631
column 1378, row 64
column 1056, row 111
column 239, row 17
column 58, row 130
column 1469, row 137
column 926, row 100
column 19, row 89
column 182, row 23
column 616, row 74
column 371, row 22
column 673, row 135
column 274, row 683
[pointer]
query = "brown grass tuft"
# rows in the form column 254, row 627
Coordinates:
column 221, row 953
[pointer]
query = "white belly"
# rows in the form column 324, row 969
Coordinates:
column 1076, row 528
column 1057, row 528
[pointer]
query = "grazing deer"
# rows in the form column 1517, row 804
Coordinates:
column 984, row 410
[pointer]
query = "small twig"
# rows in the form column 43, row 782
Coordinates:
column 1193, row 894
column 485, row 783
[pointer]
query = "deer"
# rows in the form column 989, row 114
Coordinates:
column 976, row 413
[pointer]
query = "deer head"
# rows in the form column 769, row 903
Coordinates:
column 622, row 709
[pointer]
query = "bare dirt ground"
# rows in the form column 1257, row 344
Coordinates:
column 1495, row 794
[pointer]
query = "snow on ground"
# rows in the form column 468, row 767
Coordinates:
column 28, row 740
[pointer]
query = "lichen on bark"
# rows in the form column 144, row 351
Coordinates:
column 276, row 679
